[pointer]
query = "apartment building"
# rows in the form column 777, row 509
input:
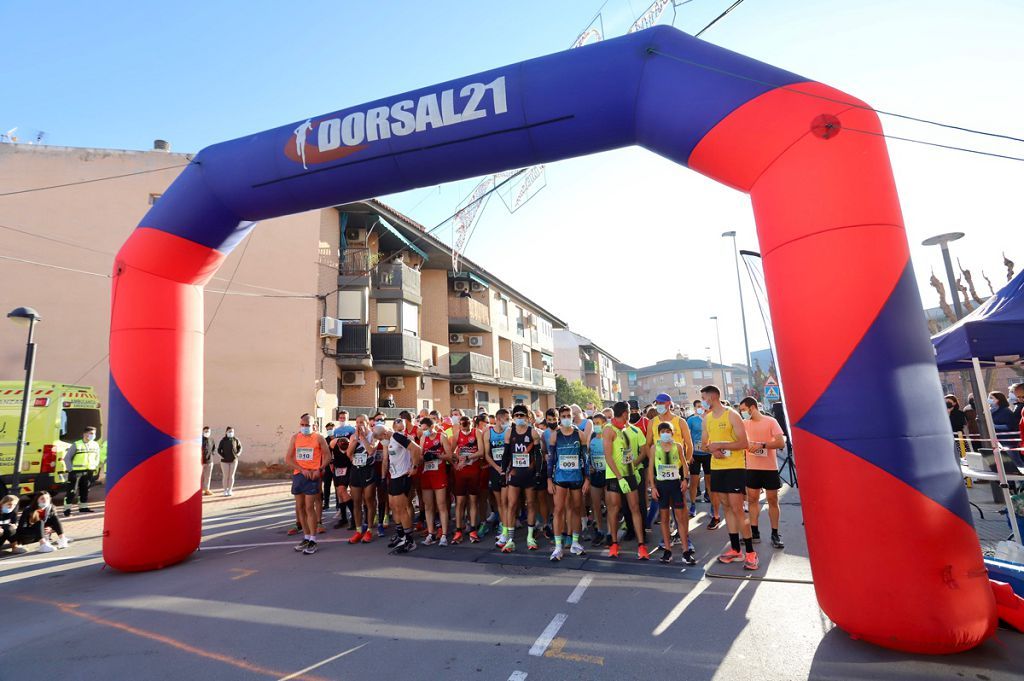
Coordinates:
column 431, row 336
column 682, row 378
column 577, row 358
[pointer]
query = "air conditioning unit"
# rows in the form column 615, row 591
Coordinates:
column 394, row 383
column 476, row 286
column 353, row 378
column 460, row 285
column 330, row 327
column 460, row 389
column 355, row 235
column 454, row 338
column 476, row 341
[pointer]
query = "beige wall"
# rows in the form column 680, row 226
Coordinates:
column 262, row 354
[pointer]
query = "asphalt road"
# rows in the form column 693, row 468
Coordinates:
column 248, row 607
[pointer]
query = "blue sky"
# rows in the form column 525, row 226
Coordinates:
column 119, row 74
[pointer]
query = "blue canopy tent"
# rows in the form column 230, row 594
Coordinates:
column 994, row 335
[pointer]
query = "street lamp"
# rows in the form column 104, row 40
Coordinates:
column 743, row 315
column 718, row 336
column 24, row 316
column 942, row 241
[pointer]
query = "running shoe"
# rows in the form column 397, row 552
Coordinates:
column 751, row 563
column 666, row 556
column 577, row 549
column 67, row 512
column 380, row 530
column 598, row 538
column 730, row 556
column 407, row 547
column 457, row 537
column 714, row 523
column 429, row 540
column 320, row 529
column 443, row 541
column 483, row 529
column 548, row 533
column 746, row 507
column 473, row 537
column 45, row 547
column 755, row 535
column 294, row 530
column 396, row 539
column 690, row 557
column 310, row 548
column 693, row 510
column 642, row 554
column 707, row 498
column 62, row 542
column 531, row 544
column 18, row 550
column 367, row 537
column 500, row 540
column 301, row 546
column 556, row 555
column 509, row 547
column 777, row 541
column 86, row 509
column 613, row 550
column 355, row 538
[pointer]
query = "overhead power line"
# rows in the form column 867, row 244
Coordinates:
column 718, row 18
column 95, row 179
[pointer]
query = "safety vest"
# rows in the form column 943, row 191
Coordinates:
column 87, row 456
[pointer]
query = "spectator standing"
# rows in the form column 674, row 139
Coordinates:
column 82, row 460
column 208, row 448
column 229, row 449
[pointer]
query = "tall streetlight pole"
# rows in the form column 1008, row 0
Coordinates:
column 743, row 314
column 24, row 316
column 718, row 336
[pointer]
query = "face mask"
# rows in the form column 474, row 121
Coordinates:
column 745, row 415
column 660, row 408
column 948, row 405
column 43, row 504
column 633, row 418
column 705, row 404
column 598, row 429
column 1012, row 398
column 231, row 433
column 700, row 411
column 87, row 437
column 206, row 433
column 992, row 402
column 566, row 423
column 8, row 509
column 666, row 437
column 306, row 430
column 520, row 422
column 589, row 413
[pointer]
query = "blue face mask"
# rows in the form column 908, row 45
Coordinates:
column 705, row 404
column 306, row 430
column 598, row 429
column 661, row 409
column 745, row 415
column 566, row 423
column 520, row 422
column 666, row 437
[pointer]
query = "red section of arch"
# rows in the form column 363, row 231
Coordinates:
column 825, row 204
column 166, row 319
column 168, row 481
column 169, row 256
column 922, row 590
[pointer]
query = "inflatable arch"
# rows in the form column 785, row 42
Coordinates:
column 863, row 394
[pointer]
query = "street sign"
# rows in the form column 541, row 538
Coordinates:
column 771, row 390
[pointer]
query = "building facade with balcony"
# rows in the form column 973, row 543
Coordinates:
column 414, row 328
column 682, row 378
column 577, row 358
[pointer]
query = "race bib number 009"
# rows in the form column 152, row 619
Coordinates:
column 569, row 462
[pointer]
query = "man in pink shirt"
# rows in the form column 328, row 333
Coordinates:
column 765, row 437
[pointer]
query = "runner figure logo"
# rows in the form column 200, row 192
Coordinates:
column 300, row 140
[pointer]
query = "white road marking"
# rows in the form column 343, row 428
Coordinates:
column 549, row 633
column 322, row 662
column 737, row 593
column 267, row 543
column 241, row 550
column 577, row 593
column 517, row 676
column 499, row 580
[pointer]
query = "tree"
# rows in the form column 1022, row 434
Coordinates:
column 575, row 393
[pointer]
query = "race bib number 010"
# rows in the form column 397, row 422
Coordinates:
column 303, row 453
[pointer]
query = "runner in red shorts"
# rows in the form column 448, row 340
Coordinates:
column 434, row 480
column 466, row 449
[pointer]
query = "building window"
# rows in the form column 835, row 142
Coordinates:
column 728, row 377
column 411, row 319
column 697, row 375
column 387, row 317
column 352, row 305
column 526, row 359
column 709, row 374
column 504, row 307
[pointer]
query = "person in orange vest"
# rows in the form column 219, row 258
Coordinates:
column 308, row 455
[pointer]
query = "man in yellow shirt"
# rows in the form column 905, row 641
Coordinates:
column 725, row 439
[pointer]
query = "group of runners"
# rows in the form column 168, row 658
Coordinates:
column 566, row 474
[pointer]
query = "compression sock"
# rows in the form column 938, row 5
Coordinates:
column 529, row 533
column 734, row 541
column 575, row 537
column 748, row 544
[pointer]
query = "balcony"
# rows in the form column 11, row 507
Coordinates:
column 467, row 314
column 396, row 281
column 397, row 353
column 471, row 364
column 589, row 366
column 549, row 381
column 353, row 348
column 536, row 377
column 504, row 370
column 354, row 267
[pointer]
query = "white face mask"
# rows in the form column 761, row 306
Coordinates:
column 87, row 437
column 306, row 430
column 660, row 408
column 206, row 433
column 231, row 433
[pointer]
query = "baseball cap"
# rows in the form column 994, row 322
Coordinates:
column 662, row 397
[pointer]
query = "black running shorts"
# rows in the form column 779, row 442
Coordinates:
column 700, row 460
column 729, row 481
column 400, row 486
column 757, row 479
column 363, row 476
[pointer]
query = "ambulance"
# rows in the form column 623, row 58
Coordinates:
column 58, row 415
